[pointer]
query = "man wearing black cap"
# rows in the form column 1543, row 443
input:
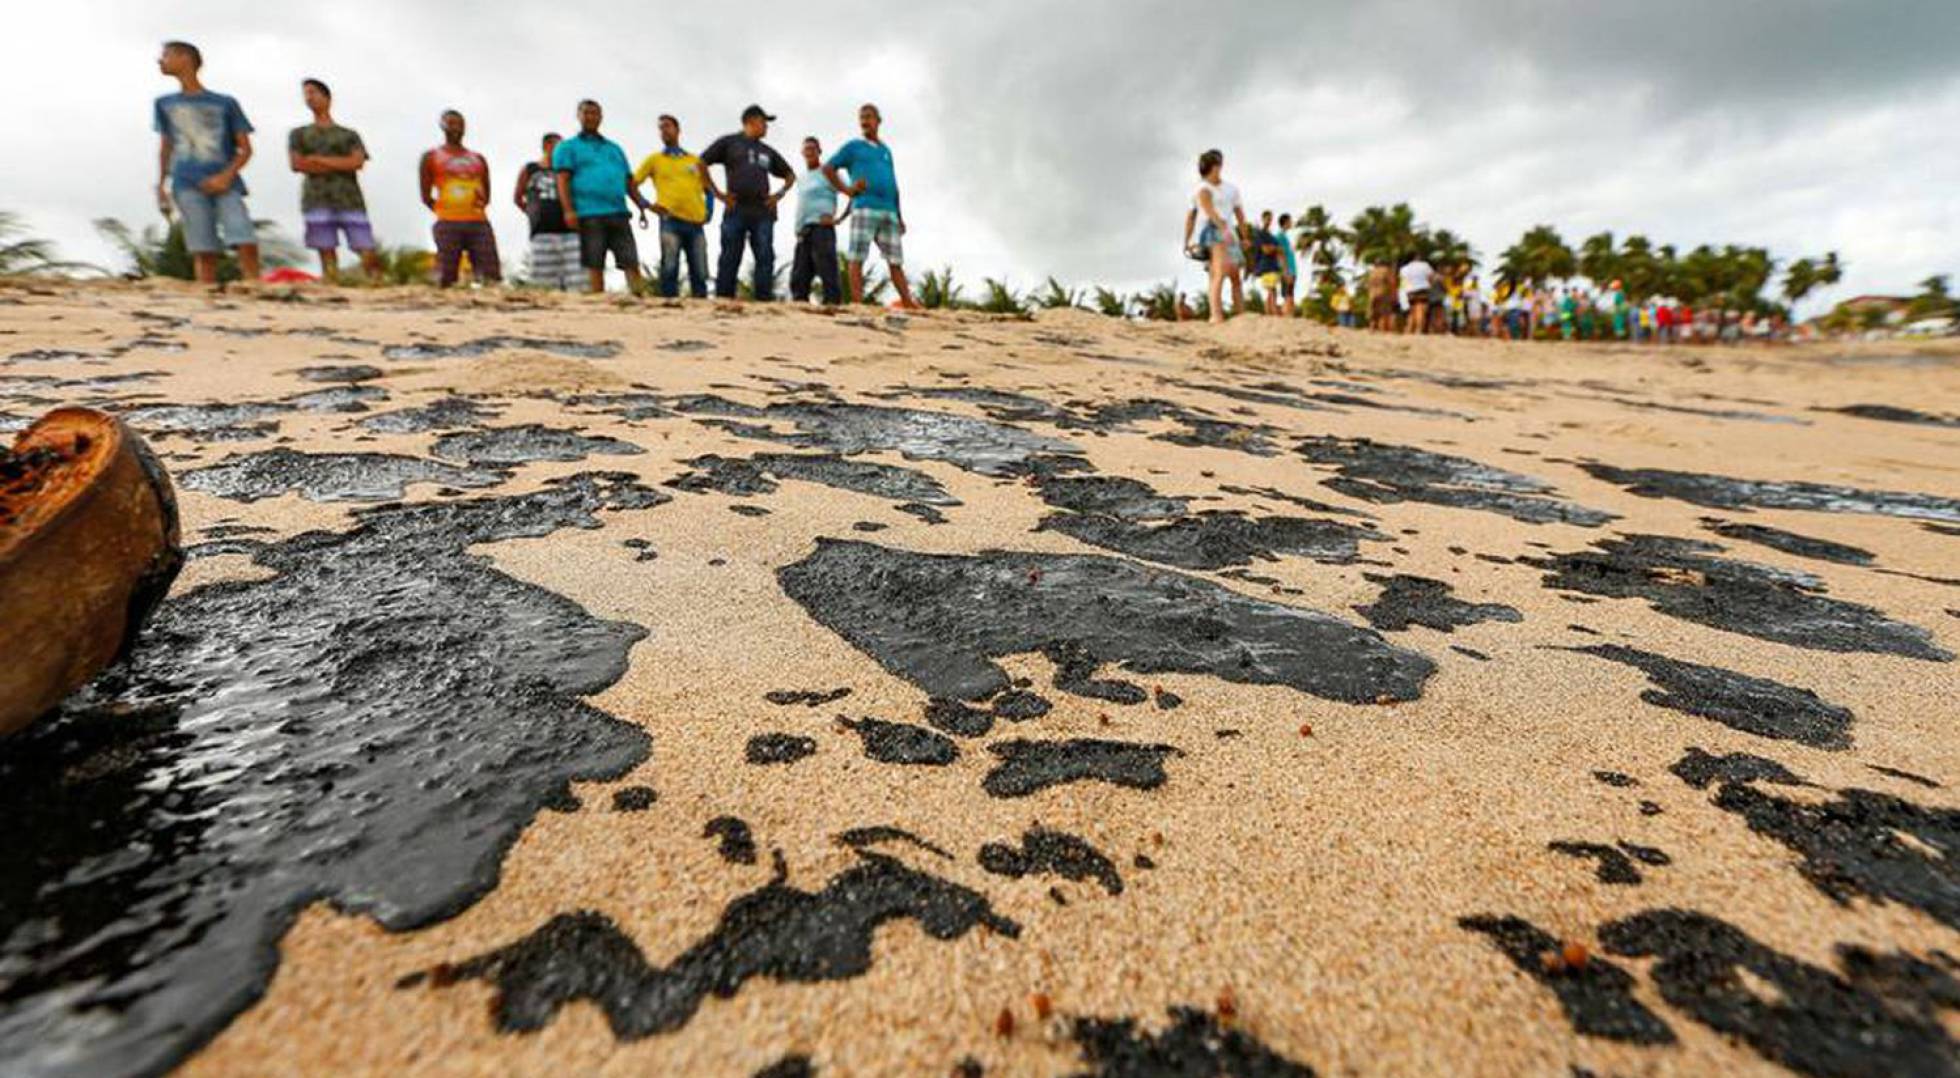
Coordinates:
column 747, row 163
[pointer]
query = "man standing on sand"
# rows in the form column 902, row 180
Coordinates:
column 206, row 142
column 331, row 158
column 1382, row 291
column 1266, row 262
column 554, row 245
column 455, row 183
column 594, row 182
column 747, row 162
column 1289, row 265
column 1417, row 275
column 680, row 199
column 874, row 204
column 816, row 230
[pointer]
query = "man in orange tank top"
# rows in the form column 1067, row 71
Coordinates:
column 456, row 185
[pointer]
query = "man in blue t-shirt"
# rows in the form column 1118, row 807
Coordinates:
column 206, row 142
column 876, row 217
column 594, row 182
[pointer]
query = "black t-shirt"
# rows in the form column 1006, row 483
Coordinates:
column 750, row 163
column 541, row 203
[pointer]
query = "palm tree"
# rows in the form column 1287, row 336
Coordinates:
column 1540, row 255
column 938, row 290
column 1160, row 303
column 1001, row 299
column 1449, row 252
column 1053, row 296
column 1598, row 259
column 404, row 264
column 1317, row 236
column 23, row 255
column 1111, row 303
column 1385, row 234
column 1935, row 300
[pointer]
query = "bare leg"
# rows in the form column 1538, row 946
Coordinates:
column 371, row 262
column 633, row 280
column 857, row 281
column 1238, row 291
column 248, row 262
column 904, row 290
column 206, row 266
column 329, row 264
column 1218, row 284
column 595, row 280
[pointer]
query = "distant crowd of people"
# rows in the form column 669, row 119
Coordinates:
column 575, row 196
column 1419, row 298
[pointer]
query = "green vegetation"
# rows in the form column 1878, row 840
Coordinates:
column 22, row 255
column 156, row 252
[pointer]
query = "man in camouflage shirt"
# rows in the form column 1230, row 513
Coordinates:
column 331, row 157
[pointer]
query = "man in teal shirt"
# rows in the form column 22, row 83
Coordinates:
column 874, row 205
column 594, row 182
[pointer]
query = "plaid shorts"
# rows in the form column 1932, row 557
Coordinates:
column 880, row 226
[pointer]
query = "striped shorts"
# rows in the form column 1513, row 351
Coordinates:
column 880, row 227
column 554, row 261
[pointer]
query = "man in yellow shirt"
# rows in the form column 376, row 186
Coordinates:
column 680, row 197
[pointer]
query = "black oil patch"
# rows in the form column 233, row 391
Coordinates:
column 634, row 798
column 1889, row 413
column 443, row 413
column 327, row 477
column 1194, row 1045
column 1897, row 773
column 880, row 833
column 940, row 621
column 1802, row 546
column 1597, row 997
column 742, row 477
column 1721, row 492
column 483, row 346
column 956, row 717
column 748, row 510
column 1701, row 769
column 1470, row 653
column 790, row 1066
column 1290, row 499
column 737, row 845
column 344, row 372
column 1020, row 705
column 1028, row 767
column 1752, row 705
column 975, row 445
column 1130, row 517
column 777, row 932
column 208, row 422
column 902, row 742
column 1417, row 600
column 1682, row 578
column 1615, row 778
column 1614, row 864
column 1051, row 853
column 1857, row 845
column 342, row 398
column 1386, row 474
column 778, row 748
column 497, row 447
column 1812, row 1020
column 402, row 712
column 806, row 697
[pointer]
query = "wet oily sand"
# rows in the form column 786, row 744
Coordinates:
column 1063, row 698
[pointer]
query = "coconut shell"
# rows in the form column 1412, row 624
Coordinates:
column 89, row 546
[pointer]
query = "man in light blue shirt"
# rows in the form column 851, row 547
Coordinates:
column 874, row 191
column 206, row 141
column 816, row 230
column 594, row 182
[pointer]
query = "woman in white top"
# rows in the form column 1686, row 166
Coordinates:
column 1217, row 202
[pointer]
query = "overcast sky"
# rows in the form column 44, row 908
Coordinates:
column 1038, row 138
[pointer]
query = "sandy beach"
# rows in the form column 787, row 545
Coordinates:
column 581, row 685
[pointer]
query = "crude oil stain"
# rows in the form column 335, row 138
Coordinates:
column 1416, row 600
column 1721, row 492
column 902, row 743
column 327, row 477
column 940, row 621
column 1752, row 705
column 402, row 712
column 778, row 748
column 1597, row 998
column 503, row 446
column 1051, row 853
column 1194, row 1045
column 1803, row 546
column 1028, row 767
column 737, row 845
column 1385, row 474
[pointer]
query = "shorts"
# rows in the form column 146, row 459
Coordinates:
column 478, row 240
column 211, row 218
column 880, row 226
column 613, row 232
column 1420, row 295
column 1270, row 280
column 325, row 227
column 1381, row 306
column 1209, row 235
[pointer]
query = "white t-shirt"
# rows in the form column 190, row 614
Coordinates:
column 1415, row 276
column 1224, row 199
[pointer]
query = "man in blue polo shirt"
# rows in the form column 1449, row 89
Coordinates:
column 594, row 182
column 875, row 213
column 206, row 142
